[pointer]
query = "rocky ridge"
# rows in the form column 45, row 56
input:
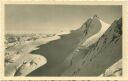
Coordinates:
column 93, row 58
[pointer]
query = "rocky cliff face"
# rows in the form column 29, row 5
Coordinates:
column 100, row 48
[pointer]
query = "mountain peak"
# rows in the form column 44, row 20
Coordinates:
column 95, row 16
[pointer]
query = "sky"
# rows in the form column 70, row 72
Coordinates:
column 55, row 18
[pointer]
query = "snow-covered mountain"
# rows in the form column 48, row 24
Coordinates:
column 99, row 48
column 95, row 49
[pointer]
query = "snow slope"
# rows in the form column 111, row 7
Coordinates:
column 93, row 29
column 92, row 39
column 97, row 53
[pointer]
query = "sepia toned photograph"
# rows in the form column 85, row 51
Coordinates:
column 63, row 40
